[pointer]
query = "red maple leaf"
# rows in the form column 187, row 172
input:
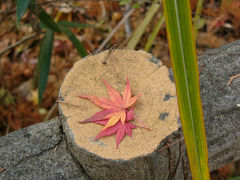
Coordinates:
column 115, row 113
column 119, row 128
column 115, row 107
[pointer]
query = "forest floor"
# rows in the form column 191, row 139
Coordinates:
column 19, row 106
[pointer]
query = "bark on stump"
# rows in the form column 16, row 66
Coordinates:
column 146, row 155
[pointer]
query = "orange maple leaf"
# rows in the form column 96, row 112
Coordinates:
column 115, row 117
column 115, row 107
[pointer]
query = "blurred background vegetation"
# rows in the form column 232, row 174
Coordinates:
column 41, row 39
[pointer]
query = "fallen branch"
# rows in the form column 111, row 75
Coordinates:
column 1, row 170
column 23, row 40
column 127, row 25
column 50, row 112
column 231, row 79
column 127, row 15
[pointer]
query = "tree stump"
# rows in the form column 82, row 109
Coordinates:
column 147, row 152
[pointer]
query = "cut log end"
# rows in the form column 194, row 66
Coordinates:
column 156, row 108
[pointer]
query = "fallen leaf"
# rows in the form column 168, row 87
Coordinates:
column 119, row 128
column 115, row 107
column 115, row 113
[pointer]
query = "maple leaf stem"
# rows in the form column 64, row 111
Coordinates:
column 144, row 126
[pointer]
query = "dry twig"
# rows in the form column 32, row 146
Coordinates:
column 127, row 25
column 202, row 66
column 23, row 40
column 50, row 112
column 231, row 79
column 169, row 144
column 127, row 15
column 3, row 169
column 55, row 149
column 109, row 53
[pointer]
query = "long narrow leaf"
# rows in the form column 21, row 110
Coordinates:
column 48, row 21
column 184, row 63
column 44, row 62
column 198, row 21
column 154, row 33
column 22, row 6
column 74, row 24
column 143, row 25
column 77, row 44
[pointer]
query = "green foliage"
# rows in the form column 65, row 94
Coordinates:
column 22, row 6
column 6, row 97
column 141, row 28
column 78, row 45
column 61, row 27
column 50, row 26
column 153, row 35
column 124, row 2
column 2, row 93
column 185, row 68
column 44, row 62
column 74, row 24
column 198, row 21
column 136, row 5
column 198, row 24
column 234, row 178
column 9, row 99
column 48, row 21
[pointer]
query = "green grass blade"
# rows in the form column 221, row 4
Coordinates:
column 44, row 62
column 154, row 33
column 75, row 24
column 48, row 21
column 143, row 25
column 77, row 44
column 184, row 63
column 22, row 6
column 198, row 21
